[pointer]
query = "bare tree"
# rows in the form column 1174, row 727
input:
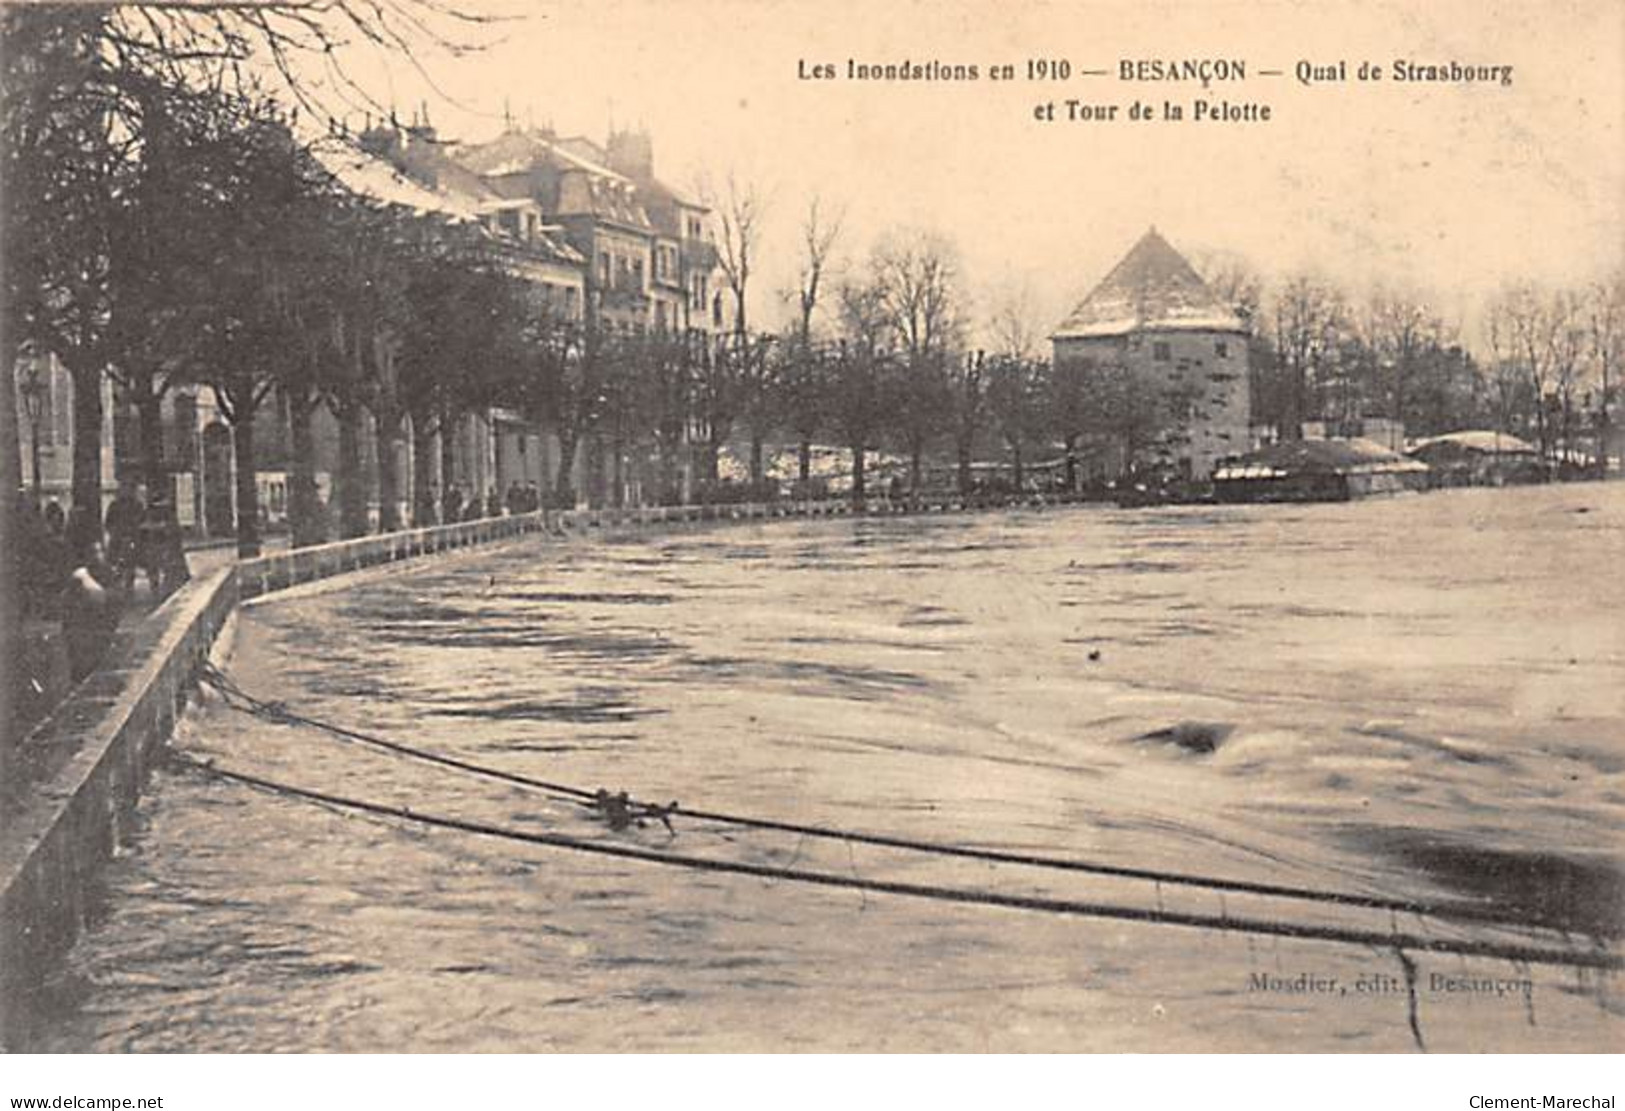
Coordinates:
column 819, row 233
column 968, row 397
column 1400, row 328
column 1569, row 342
column 740, row 210
column 917, row 276
column 1543, row 337
column 1605, row 319
column 801, row 386
column 1509, row 385
column 1012, row 325
column 303, row 51
column 1017, row 381
column 861, row 375
column 742, row 365
column 1308, row 314
column 1015, row 392
column 1235, row 282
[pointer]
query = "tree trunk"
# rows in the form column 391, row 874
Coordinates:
column 448, row 466
column 87, row 459
column 1401, row 377
column 670, row 478
column 804, row 462
column 916, row 451
column 1603, row 439
column 248, row 494
column 149, row 407
column 1071, row 443
column 11, row 669
column 425, row 490
column 758, row 472
column 1542, row 428
column 352, row 477
column 1016, row 470
column 858, row 491
column 304, row 499
column 388, row 424
column 617, row 495
column 594, row 462
column 1291, row 428
column 965, row 475
column 713, row 457
column 563, row 482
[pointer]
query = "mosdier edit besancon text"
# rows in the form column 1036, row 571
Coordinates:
column 1501, row 1103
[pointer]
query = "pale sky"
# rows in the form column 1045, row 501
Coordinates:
column 1454, row 189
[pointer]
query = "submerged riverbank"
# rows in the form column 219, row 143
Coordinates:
column 1420, row 698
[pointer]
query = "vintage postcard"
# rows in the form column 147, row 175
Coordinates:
column 814, row 527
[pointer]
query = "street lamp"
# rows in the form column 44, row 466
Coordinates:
column 33, row 387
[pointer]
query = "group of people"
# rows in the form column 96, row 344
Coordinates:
column 522, row 499
column 458, row 506
column 80, row 568
column 146, row 538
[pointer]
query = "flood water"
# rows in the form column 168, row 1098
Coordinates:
column 1421, row 697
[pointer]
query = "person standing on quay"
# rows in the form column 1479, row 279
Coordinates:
column 163, row 555
column 124, row 519
column 90, row 612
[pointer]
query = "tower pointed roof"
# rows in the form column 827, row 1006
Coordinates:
column 1152, row 289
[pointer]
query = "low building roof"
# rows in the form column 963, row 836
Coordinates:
column 1475, row 440
column 516, row 151
column 375, row 179
column 1322, row 457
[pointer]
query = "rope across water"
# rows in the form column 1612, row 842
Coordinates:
column 621, row 806
column 1394, row 940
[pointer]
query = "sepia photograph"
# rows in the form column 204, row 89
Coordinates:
column 637, row 527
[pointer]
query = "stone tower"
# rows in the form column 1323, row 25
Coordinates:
column 1154, row 316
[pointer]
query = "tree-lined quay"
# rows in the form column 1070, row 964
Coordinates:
column 251, row 316
column 176, row 234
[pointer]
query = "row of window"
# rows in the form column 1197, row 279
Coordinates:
column 618, row 271
column 664, row 322
column 1162, row 351
column 560, row 300
column 665, row 262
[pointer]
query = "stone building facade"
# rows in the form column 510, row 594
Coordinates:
column 649, row 257
column 601, row 240
column 1185, row 353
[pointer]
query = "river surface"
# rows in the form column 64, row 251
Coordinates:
column 1425, row 697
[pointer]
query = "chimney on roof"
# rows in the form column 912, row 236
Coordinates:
column 421, row 131
column 631, row 153
column 382, row 141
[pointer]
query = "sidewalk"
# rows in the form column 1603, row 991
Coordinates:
column 204, row 557
column 47, row 681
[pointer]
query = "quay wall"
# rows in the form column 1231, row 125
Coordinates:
column 85, row 764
